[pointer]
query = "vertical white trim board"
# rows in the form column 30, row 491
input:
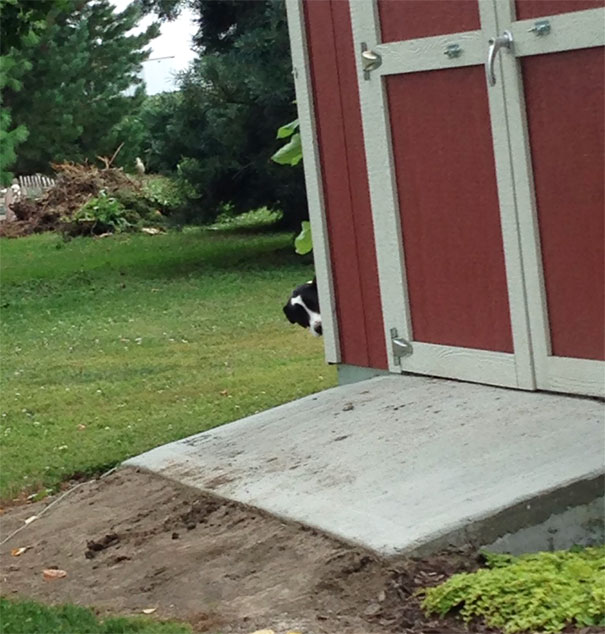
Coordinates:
column 515, row 280
column 313, row 178
column 383, row 190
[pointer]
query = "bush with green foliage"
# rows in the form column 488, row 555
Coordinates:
column 138, row 206
column 167, row 132
column 541, row 592
column 102, row 214
column 164, row 192
column 126, row 209
column 157, row 198
column 218, row 131
column 256, row 220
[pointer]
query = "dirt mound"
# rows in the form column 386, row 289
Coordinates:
column 75, row 185
column 134, row 541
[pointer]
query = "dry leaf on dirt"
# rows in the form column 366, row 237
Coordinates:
column 30, row 519
column 50, row 573
column 263, row 632
column 148, row 610
column 16, row 552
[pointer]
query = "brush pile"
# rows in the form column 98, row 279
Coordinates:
column 57, row 209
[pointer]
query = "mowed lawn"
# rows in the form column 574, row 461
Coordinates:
column 28, row 617
column 113, row 346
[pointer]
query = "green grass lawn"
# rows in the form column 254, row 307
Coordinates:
column 27, row 617
column 113, row 346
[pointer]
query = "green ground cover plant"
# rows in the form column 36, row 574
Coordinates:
column 538, row 592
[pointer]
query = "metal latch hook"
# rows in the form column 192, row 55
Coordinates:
column 370, row 60
column 401, row 347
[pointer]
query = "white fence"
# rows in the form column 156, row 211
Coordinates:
column 22, row 187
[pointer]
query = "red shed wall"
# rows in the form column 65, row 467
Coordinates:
column 464, row 272
column 345, row 183
column 527, row 9
column 409, row 19
column 566, row 121
column 449, row 208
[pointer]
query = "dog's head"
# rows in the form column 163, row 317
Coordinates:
column 303, row 308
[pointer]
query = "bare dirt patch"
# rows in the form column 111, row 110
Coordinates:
column 133, row 541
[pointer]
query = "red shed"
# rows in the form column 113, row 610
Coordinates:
column 454, row 158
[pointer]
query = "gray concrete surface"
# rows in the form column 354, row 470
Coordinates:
column 582, row 525
column 353, row 373
column 403, row 464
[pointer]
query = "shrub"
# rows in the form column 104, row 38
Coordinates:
column 541, row 592
column 255, row 220
column 101, row 214
column 165, row 193
column 138, row 206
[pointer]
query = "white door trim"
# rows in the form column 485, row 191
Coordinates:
column 517, row 298
column 568, row 31
column 581, row 376
column 429, row 53
column 313, row 178
column 383, row 194
column 464, row 364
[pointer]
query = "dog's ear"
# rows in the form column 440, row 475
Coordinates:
column 289, row 312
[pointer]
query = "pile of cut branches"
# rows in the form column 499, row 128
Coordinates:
column 75, row 185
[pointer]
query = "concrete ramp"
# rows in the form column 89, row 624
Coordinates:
column 408, row 464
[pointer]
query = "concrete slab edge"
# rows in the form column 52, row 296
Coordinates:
column 474, row 531
column 481, row 531
column 289, row 521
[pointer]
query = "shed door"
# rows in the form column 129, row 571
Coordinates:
column 555, row 98
column 446, row 230
column 443, row 182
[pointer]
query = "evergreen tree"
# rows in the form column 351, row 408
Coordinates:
column 75, row 97
column 234, row 97
column 10, row 136
column 21, row 25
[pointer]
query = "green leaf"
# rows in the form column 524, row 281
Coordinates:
column 291, row 153
column 304, row 241
column 287, row 130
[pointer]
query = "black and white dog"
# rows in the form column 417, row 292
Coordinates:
column 303, row 308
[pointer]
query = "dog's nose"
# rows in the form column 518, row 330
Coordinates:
column 318, row 329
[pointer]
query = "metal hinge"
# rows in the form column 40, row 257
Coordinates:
column 401, row 347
